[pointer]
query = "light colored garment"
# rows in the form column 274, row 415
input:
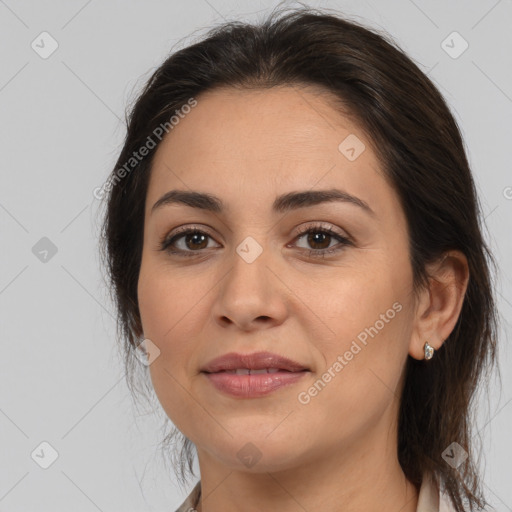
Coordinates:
column 430, row 498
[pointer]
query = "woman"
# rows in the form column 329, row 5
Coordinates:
column 293, row 230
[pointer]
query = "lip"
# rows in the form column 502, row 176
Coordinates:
column 254, row 361
column 220, row 373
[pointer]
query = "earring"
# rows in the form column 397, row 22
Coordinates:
column 429, row 351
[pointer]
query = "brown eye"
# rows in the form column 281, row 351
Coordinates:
column 196, row 241
column 319, row 239
column 186, row 242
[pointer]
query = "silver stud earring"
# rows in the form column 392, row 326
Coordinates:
column 429, row 351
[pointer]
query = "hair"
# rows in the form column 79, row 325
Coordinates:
column 421, row 151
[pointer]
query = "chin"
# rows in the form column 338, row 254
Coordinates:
column 257, row 451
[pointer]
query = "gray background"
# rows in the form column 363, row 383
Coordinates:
column 61, row 128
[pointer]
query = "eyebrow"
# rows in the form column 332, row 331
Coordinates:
column 282, row 204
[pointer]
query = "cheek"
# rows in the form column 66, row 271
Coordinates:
column 164, row 305
column 370, row 315
column 165, row 300
column 365, row 304
column 360, row 384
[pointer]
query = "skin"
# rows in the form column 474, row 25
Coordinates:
column 339, row 451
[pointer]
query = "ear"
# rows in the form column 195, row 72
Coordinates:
column 438, row 306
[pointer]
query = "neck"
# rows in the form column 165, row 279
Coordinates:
column 352, row 480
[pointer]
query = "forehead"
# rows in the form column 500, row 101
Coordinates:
column 256, row 144
column 280, row 123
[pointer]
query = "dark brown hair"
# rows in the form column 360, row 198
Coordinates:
column 422, row 155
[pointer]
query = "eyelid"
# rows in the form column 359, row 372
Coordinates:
column 326, row 227
column 188, row 227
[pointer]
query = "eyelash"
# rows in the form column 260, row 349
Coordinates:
column 168, row 241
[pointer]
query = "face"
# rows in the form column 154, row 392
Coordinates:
column 324, row 283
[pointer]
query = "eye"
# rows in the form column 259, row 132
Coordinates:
column 192, row 240
column 320, row 239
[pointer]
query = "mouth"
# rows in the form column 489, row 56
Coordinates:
column 252, row 375
column 248, row 371
column 263, row 362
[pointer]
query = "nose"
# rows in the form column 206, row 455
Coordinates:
column 251, row 295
